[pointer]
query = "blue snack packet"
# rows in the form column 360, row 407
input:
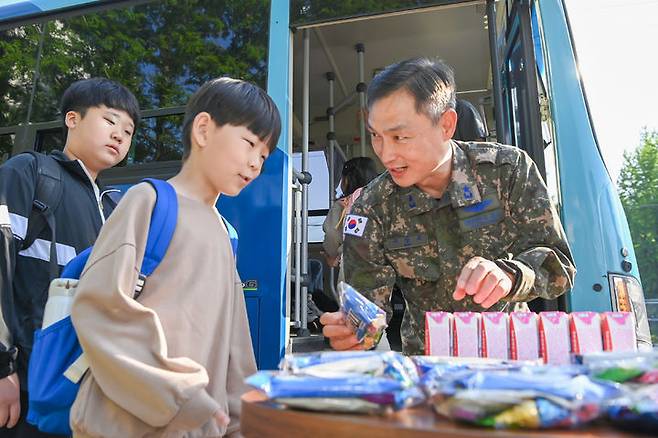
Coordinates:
column 363, row 316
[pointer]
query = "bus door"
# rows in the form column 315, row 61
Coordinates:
column 521, row 101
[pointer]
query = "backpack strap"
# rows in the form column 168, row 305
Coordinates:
column 161, row 229
column 232, row 235
column 47, row 196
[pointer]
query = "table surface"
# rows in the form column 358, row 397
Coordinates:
column 261, row 418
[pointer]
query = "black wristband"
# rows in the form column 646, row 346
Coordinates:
column 8, row 362
column 510, row 269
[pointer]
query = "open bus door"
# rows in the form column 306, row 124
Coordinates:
column 522, row 121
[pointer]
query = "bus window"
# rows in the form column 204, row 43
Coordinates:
column 318, row 198
column 547, row 126
column 49, row 140
column 313, row 11
column 18, row 49
column 147, row 47
column 157, row 139
column 6, row 143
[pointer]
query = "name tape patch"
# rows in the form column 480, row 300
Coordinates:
column 355, row 225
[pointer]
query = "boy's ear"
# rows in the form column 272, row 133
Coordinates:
column 200, row 127
column 72, row 118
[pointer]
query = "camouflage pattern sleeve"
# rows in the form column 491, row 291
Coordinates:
column 540, row 257
column 365, row 266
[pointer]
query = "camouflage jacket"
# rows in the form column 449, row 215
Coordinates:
column 496, row 206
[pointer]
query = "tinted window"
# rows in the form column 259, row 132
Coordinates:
column 18, row 48
column 312, row 11
column 6, row 143
column 162, row 50
column 157, row 139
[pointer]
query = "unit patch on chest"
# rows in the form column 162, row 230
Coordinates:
column 486, row 212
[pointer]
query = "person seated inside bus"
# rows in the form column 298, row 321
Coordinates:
column 470, row 126
column 356, row 174
column 456, row 226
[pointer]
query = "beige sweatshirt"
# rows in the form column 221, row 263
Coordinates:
column 162, row 365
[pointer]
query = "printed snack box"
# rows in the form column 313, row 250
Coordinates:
column 618, row 329
column 465, row 334
column 438, row 333
column 585, row 331
column 494, row 335
column 554, row 337
column 524, row 336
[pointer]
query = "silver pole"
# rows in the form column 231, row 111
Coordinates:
column 297, row 205
column 361, row 89
column 305, row 135
column 331, row 136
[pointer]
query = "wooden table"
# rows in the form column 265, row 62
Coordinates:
column 262, row 418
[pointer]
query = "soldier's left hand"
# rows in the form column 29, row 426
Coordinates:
column 485, row 281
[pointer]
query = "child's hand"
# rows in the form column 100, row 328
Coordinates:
column 221, row 418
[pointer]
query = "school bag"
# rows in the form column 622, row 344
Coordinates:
column 57, row 363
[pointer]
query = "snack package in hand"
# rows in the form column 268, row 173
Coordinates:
column 363, row 316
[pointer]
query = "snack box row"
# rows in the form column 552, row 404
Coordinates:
column 551, row 336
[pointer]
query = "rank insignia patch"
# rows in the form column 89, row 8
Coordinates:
column 355, row 225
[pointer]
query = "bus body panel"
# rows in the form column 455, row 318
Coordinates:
column 261, row 213
column 592, row 215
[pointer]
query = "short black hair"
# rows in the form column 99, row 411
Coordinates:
column 234, row 102
column 95, row 92
column 431, row 82
column 358, row 172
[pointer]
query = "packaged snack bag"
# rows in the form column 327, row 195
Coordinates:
column 524, row 336
column 438, row 333
column 364, row 317
column 618, row 330
column 554, row 337
column 585, row 330
column 466, row 334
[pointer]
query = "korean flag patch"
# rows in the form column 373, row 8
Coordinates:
column 355, row 225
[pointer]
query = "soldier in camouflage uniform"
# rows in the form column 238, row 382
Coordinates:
column 457, row 226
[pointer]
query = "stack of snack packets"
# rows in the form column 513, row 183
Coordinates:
column 355, row 382
column 637, row 372
column 364, row 317
column 532, row 397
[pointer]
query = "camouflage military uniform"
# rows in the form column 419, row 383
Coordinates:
column 496, row 206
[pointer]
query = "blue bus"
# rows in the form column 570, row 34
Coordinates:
column 514, row 60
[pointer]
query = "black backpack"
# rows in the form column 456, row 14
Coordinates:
column 47, row 196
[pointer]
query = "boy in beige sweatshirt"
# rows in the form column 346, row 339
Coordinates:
column 172, row 363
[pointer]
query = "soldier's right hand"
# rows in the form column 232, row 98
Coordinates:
column 10, row 401
column 341, row 337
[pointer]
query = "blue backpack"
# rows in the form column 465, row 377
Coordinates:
column 57, row 363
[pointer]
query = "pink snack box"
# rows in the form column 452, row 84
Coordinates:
column 554, row 337
column 524, row 336
column 585, row 330
column 465, row 334
column 438, row 333
column 494, row 335
column 618, row 330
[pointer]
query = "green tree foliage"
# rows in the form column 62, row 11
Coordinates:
column 161, row 50
column 307, row 11
column 638, row 189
